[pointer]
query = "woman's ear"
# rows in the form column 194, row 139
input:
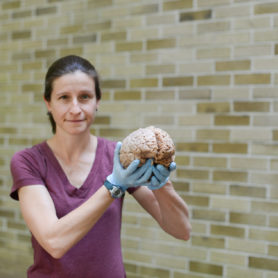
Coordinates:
column 47, row 103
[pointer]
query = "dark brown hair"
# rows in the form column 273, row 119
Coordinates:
column 66, row 65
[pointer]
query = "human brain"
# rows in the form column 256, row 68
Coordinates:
column 145, row 143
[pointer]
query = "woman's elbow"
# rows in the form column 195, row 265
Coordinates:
column 185, row 233
column 56, row 254
column 53, row 249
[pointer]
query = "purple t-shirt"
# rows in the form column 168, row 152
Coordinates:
column 98, row 254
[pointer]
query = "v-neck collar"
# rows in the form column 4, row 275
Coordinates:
column 60, row 171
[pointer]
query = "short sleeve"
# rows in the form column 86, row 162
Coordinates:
column 26, row 170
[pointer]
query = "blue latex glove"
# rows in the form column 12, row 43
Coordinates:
column 161, row 175
column 133, row 175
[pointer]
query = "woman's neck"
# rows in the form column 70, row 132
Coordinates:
column 71, row 148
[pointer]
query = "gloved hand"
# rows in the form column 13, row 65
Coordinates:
column 133, row 175
column 161, row 175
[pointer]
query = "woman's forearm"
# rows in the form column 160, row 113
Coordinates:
column 174, row 215
column 58, row 235
column 75, row 225
column 167, row 208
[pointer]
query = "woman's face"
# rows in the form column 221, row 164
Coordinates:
column 73, row 103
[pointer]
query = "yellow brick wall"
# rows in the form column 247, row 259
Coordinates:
column 205, row 71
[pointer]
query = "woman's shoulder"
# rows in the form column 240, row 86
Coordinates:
column 106, row 144
column 105, row 149
column 29, row 154
column 27, row 167
column 35, row 149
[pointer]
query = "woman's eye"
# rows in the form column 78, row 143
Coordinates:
column 85, row 97
column 63, row 97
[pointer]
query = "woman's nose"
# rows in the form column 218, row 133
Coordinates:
column 75, row 107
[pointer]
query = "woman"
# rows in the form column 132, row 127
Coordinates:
column 71, row 186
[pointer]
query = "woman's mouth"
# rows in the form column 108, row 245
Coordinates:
column 75, row 121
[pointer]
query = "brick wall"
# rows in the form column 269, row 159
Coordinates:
column 205, row 71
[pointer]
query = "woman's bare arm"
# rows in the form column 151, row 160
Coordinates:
column 55, row 235
column 167, row 208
